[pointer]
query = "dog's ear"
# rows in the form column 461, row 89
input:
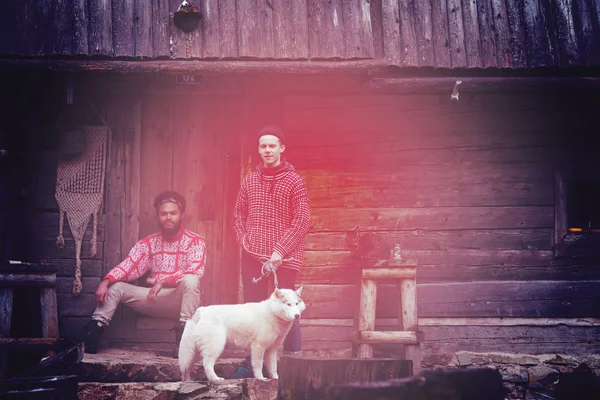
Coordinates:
column 299, row 291
column 277, row 293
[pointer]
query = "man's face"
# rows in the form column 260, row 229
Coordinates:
column 169, row 219
column 270, row 150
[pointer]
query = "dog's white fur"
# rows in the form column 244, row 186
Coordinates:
column 262, row 327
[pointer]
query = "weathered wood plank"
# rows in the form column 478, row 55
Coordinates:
column 160, row 28
column 156, row 166
column 131, row 142
column 228, row 29
column 440, row 38
column 81, row 26
column 516, row 25
column 584, row 25
column 64, row 285
column 424, row 32
column 290, row 27
column 325, row 29
column 48, row 250
column 49, row 313
column 486, row 33
column 566, row 37
column 211, row 48
column 63, row 21
column 6, row 307
column 552, row 299
column 447, row 272
column 505, row 239
column 100, row 36
column 255, row 29
column 471, row 33
column 538, row 46
column 445, row 257
column 81, row 306
column 446, row 340
column 391, row 31
column 502, row 34
column 358, row 35
column 377, row 27
column 143, row 24
column 66, row 267
column 408, row 40
column 115, row 186
column 51, row 219
column 123, row 23
column 458, row 53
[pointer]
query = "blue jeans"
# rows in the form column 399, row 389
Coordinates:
column 255, row 292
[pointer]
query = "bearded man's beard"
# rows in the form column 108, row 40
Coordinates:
column 171, row 231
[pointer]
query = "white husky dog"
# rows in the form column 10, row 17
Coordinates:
column 262, row 327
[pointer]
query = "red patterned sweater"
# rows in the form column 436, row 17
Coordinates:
column 272, row 213
column 165, row 259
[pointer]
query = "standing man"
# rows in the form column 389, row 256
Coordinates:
column 272, row 218
column 175, row 258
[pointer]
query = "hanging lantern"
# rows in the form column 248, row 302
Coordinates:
column 187, row 16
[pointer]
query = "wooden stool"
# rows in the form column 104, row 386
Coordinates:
column 26, row 275
column 405, row 273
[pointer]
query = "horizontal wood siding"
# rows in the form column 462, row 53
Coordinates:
column 440, row 34
column 467, row 191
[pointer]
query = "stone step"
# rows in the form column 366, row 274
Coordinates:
column 247, row 389
column 116, row 365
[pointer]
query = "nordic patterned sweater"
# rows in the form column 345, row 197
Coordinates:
column 165, row 259
column 272, row 213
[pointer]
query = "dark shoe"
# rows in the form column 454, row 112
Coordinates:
column 244, row 370
column 178, row 333
column 90, row 335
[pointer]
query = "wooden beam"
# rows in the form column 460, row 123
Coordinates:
column 354, row 67
column 27, row 280
column 444, row 85
column 391, row 322
column 387, row 273
column 390, row 337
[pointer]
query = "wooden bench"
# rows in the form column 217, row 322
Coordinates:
column 27, row 275
column 405, row 274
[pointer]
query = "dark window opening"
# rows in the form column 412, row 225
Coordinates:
column 583, row 206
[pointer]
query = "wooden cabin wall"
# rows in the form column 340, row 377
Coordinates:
column 466, row 188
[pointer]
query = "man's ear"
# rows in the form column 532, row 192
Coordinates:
column 282, row 148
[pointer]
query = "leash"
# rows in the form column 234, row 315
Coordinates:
column 267, row 267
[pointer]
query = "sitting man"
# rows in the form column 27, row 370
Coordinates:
column 175, row 258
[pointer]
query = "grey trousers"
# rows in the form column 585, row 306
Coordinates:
column 180, row 302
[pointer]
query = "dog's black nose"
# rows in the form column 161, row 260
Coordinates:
column 297, row 316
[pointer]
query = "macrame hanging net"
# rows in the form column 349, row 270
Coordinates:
column 79, row 192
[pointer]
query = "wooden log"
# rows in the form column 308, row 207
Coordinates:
column 410, row 320
column 456, row 383
column 389, row 273
column 389, row 337
column 10, row 280
column 354, row 67
column 49, row 312
column 366, row 314
column 33, row 343
column 311, row 377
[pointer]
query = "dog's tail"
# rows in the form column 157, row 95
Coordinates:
column 196, row 317
column 187, row 355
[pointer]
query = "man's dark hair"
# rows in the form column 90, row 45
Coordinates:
column 170, row 196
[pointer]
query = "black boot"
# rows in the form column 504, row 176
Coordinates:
column 178, row 333
column 90, row 335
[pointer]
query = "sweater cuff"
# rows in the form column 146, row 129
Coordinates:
column 110, row 278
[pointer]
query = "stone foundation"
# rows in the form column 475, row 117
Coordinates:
column 532, row 377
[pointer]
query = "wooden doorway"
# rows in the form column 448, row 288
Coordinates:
column 191, row 143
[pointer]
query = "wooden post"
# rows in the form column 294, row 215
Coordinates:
column 49, row 313
column 6, row 303
column 400, row 310
column 408, row 294
column 366, row 316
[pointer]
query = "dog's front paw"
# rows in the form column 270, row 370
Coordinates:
column 275, row 376
column 216, row 379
